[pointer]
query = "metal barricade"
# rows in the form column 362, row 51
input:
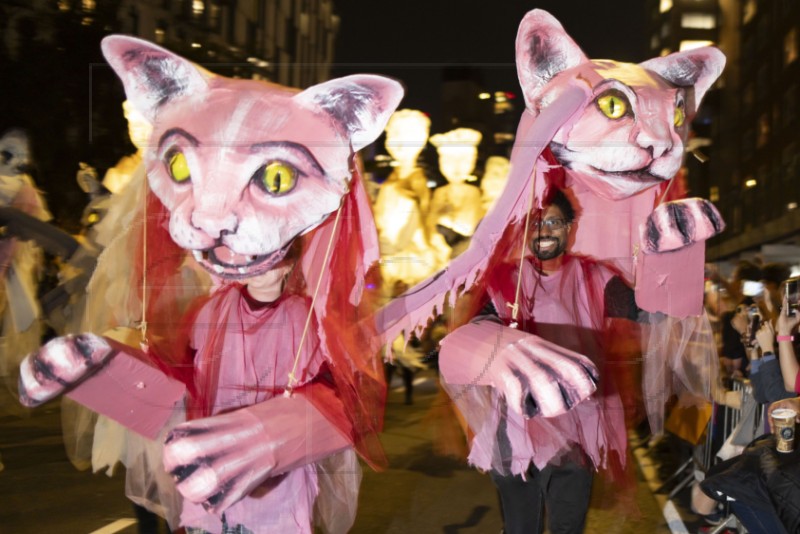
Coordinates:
column 731, row 418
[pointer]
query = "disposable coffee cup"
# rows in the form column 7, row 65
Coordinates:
column 783, row 422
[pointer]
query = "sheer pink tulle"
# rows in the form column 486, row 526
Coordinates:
column 344, row 310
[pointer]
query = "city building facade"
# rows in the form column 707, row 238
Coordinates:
column 747, row 132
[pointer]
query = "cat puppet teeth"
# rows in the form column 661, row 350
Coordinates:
column 226, row 263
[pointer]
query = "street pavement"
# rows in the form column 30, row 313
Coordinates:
column 424, row 490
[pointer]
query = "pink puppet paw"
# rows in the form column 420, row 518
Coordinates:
column 674, row 225
column 218, row 460
column 60, row 364
column 535, row 376
column 542, row 378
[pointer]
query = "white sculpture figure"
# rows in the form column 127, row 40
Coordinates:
column 139, row 130
column 493, row 181
column 403, row 201
column 20, row 261
column 456, row 207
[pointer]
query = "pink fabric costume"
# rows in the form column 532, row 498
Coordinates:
column 565, row 308
column 278, row 397
column 252, row 368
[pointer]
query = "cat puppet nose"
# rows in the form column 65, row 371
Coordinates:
column 655, row 140
column 215, row 224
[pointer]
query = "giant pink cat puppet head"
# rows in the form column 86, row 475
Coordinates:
column 617, row 129
column 244, row 167
column 632, row 136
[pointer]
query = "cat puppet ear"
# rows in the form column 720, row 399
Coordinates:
column 543, row 50
column 152, row 75
column 699, row 67
column 360, row 105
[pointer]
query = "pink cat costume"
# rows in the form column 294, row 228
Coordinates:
column 277, row 395
column 617, row 132
column 567, row 310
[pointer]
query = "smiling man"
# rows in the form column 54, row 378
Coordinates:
column 538, row 456
column 551, row 231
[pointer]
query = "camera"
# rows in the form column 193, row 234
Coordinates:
column 753, row 323
column 792, row 296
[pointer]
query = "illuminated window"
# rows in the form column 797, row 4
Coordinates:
column 790, row 51
column 713, row 193
column 160, row 35
column 654, row 40
column 88, row 5
column 665, row 30
column 749, row 11
column 750, row 183
column 198, row 6
column 698, row 21
column 690, row 45
column 63, row 5
column 665, row 5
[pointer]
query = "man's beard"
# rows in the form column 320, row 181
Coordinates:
column 549, row 252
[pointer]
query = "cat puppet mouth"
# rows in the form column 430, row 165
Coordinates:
column 225, row 263
column 638, row 176
column 642, row 175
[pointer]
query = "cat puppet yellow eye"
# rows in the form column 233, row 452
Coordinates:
column 613, row 106
column 179, row 167
column 679, row 116
column 279, row 178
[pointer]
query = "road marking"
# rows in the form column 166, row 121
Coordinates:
column 116, row 526
column 674, row 520
column 649, row 471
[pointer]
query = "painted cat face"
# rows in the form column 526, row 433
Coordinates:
column 243, row 166
column 631, row 134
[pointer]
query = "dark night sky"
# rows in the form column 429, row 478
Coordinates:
column 412, row 40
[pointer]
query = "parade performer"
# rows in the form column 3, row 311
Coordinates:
column 612, row 135
column 22, row 207
column 569, row 302
column 258, row 184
